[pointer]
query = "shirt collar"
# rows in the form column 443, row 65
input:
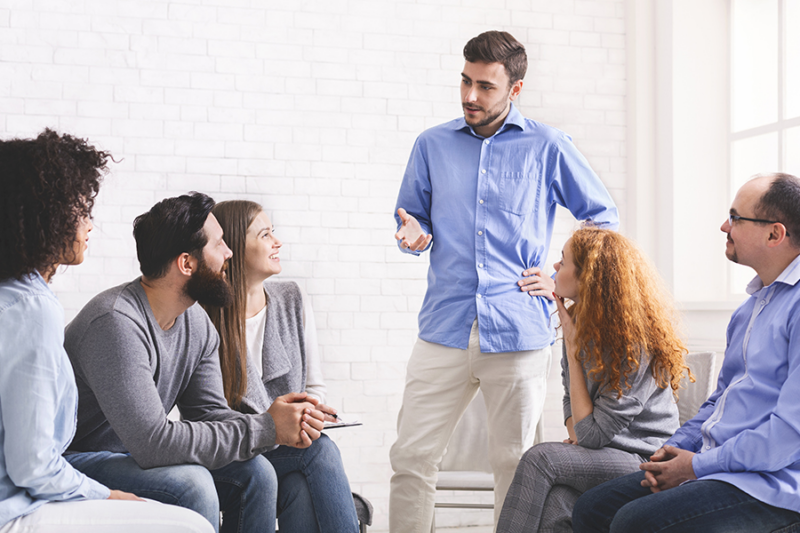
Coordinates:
column 514, row 118
column 789, row 276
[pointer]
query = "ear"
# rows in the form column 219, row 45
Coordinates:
column 516, row 88
column 186, row 264
column 777, row 235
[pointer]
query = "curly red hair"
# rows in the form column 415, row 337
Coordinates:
column 623, row 312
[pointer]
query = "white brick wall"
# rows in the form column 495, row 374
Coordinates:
column 311, row 109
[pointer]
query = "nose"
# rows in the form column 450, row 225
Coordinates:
column 472, row 95
column 90, row 226
column 556, row 266
column 228, row 253
column 726, row 226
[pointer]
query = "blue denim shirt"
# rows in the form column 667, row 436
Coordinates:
column 38, row 403
column 748, row 432
column 490, row 205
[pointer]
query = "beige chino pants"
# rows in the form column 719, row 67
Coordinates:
column 440, row 384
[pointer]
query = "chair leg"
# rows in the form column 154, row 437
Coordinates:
column 362, row 528
column 433, row 521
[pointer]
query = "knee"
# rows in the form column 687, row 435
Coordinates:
column 324, row 451
column 258, row 476
column 195, row 490
column 413, row 460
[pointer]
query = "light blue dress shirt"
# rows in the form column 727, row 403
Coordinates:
column 490, row 205
column 748, row 432
column 38, row 403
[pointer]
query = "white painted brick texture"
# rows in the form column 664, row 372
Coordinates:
column 309, row 108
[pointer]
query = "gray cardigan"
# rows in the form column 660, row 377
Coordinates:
column 283, row 354
column 638, row 422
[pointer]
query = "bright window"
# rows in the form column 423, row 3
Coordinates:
column 765, row 96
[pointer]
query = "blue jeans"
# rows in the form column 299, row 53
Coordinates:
column 707, row 506
column 313, row 490
column 246, row 491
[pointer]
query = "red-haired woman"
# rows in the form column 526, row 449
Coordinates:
column 623, row 360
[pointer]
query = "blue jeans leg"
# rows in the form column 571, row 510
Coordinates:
column 324, row 483
column 705, row 506
column 248, row 492
column 189, row 486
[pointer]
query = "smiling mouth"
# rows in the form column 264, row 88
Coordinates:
column 471, row 109
column 274, row 256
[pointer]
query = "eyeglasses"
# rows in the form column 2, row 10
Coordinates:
column 734, row 218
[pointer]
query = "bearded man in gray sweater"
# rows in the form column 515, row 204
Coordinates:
column 143, row 347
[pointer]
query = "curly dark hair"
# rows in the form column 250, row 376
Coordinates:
column 47, row 186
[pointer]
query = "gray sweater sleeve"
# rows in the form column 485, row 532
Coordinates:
column 611, row 415
column 114, row 358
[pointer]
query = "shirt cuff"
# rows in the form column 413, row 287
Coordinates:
column 706, row 463
column 97, row 491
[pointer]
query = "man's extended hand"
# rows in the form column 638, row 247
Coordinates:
column 411, row 234
column 536, row 283
column 297, row 422
column 668, row 467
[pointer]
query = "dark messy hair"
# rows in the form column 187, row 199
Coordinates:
column 47, row 186
column 498, row 47
column 171, row 227
column 781, row 202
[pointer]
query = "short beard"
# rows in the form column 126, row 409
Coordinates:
column 209, row 287
column 486, row 121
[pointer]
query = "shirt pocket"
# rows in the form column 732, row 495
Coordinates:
column 518, row 192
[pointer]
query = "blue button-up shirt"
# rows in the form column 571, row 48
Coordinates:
column 490, row 205
column 38, row 403
column 748, row 432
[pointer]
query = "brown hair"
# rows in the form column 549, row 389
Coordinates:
column 781, row 202
column 498, row 47
column 235, row 216
column 623, row 312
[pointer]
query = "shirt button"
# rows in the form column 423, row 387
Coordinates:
column 480, row 233
column 483, row 171
column 479, row 296
column 480, row 265
column 486, row 141
column 480, row 201
column 708, row 447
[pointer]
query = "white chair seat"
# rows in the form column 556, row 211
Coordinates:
column 465, row 480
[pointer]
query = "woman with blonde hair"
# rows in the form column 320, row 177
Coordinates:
column 268, row 348
column 622, row 364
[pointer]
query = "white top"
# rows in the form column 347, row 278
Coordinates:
column 315, row 384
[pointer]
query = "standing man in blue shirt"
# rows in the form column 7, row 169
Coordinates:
column 481, row 192
column 743, row 447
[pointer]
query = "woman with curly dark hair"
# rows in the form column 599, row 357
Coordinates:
column 47, row 190
column 622, row 365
